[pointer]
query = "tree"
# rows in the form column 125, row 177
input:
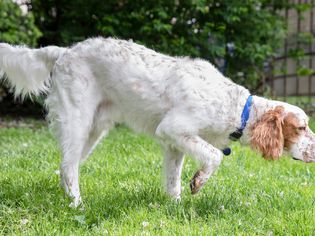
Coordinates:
column 193, row 28
column 15, row 26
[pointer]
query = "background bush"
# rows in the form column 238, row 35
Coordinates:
column 190, row 28
column 196, row 28
column 16, row 27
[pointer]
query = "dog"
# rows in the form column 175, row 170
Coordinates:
column 186, row 104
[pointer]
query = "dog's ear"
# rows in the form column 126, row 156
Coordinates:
column 266, row 134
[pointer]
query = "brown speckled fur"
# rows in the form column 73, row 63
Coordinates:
column 267, row 136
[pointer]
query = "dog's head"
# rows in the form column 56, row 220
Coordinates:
column 284, row 128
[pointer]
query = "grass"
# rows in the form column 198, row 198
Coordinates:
column 120, row 185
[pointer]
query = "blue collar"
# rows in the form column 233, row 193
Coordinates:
column 244, row 118
column 246, row 111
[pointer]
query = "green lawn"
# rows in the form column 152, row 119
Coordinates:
column 121, row 189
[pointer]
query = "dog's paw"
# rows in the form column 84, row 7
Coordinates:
column 197, row 182
column 76, row 202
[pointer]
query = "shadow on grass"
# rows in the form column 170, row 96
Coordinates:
column 118, row 204
column 44, row 198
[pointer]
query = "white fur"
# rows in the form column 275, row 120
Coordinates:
column 185, row 103
column 28, row 69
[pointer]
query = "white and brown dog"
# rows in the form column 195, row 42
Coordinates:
column 187, row 104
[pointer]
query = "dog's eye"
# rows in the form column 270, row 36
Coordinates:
column 302, row 128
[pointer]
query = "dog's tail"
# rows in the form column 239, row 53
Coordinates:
column 28, row 70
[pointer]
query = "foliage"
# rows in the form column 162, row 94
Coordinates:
column 120, row 186
column 15, row 26
column 197, row 28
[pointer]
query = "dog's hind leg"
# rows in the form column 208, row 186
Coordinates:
column 79, row 141
column 100, row 127
column 72, row 116
column 74, row 131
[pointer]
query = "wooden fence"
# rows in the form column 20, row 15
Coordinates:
column 292, row 76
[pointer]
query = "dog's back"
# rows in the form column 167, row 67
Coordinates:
column 136, row 80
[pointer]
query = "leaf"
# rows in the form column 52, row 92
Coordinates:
column 304, row 71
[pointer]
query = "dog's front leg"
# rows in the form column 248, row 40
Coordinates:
column 207, row 155
column 173, row 163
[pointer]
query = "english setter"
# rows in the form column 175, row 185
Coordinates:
column 187, row 104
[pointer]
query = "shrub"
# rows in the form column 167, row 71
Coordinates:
column 182, row 27
column 17, row 27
